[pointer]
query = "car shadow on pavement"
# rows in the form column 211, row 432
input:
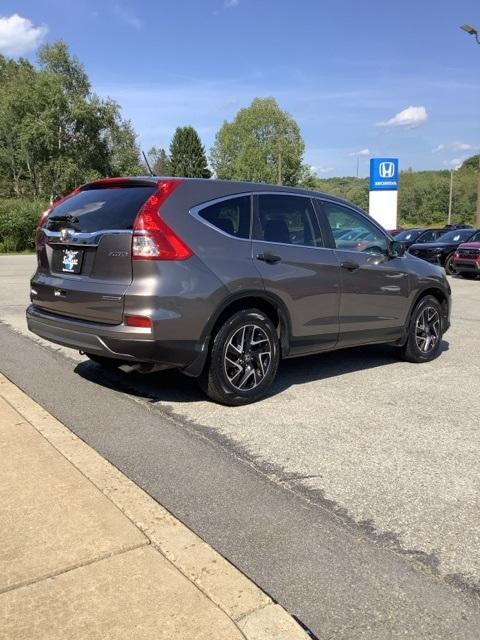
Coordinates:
column 173, row 386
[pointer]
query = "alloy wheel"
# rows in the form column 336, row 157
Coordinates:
column 247, row 357
column 427, row 329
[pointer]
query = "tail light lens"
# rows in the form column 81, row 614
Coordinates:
column 153, row 239
column 43, row 218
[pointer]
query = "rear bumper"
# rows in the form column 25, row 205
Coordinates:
column 113, row 341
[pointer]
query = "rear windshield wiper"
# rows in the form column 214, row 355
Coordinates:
column 66, row 218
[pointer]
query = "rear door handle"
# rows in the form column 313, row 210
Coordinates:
column 268, row 257
column 350, row 266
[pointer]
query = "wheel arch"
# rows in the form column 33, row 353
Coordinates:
column 436, row 292
column 270, row 304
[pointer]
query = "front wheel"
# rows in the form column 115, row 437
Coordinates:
column 449, row 265
column 424, row 332
column 244, row 359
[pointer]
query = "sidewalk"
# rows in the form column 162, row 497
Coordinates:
column 86, row 554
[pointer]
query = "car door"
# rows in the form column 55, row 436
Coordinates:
column 297, row 267
column 374, row 287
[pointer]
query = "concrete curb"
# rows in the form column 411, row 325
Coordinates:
column 251, row 610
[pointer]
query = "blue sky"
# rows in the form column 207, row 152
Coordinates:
column 377, row 77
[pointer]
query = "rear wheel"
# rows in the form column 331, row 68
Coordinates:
column 424, row 332
column 103, row 361
column 467, row 274
column 243, row 360
column 449, row 266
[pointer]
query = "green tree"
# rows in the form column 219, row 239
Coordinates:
column 54, row 132
column 262, row 144
column 187, row 154
column 159, row 161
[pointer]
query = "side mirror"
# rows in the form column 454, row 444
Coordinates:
column 396, row 249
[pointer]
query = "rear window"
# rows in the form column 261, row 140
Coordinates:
column 98, row 209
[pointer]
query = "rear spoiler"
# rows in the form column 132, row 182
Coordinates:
column 119, row 182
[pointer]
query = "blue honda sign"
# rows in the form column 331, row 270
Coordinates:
column 384, row 174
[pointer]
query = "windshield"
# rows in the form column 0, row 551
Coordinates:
column 408, row 234
column 459, row 235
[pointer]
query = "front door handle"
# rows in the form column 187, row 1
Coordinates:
column 268, row 257
column 350, row 266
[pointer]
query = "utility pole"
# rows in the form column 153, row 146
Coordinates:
column 279, row 176
column 450, row 198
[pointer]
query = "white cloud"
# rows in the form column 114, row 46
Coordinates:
column 323, row 169
column 229, row 4
column 127, row 16
column 409, row 117
column 456, row 163
column 18, row 35
column 454, row 146
column 362, row 152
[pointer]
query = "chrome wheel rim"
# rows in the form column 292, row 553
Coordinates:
column 427, row 329
column 247, row 357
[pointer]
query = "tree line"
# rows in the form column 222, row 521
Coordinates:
column 56, row 133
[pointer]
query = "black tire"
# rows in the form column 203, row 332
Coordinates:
column 414, row 350
column 243, row 359
column 449, row 266
column 467, row 274
column 103, row 361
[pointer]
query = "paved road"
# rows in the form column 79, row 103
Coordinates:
column 351, row 494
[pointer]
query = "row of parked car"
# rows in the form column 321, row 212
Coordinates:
column 455, row 247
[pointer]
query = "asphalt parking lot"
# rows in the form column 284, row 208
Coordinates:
column 392, row 448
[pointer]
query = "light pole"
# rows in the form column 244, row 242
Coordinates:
column 472, row 31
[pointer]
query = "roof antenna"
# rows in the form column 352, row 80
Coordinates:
column 148, row 165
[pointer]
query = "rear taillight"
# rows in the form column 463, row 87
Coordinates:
column 153, row 239
column 43, row 218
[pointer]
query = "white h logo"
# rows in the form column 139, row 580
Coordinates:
column 386, row 169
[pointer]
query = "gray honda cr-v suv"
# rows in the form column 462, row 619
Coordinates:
column 223, row 279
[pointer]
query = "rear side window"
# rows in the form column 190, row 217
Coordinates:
column 288, row 220
column 99, row 209
column 231, row 216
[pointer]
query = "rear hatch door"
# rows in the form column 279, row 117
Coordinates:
column 84, row 251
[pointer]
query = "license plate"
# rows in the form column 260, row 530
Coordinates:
column 71, row 260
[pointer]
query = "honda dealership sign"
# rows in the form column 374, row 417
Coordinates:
column 383, row 191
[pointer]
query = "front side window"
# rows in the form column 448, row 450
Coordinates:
column 288, row 220
column 231, row 216
column 361, row 235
